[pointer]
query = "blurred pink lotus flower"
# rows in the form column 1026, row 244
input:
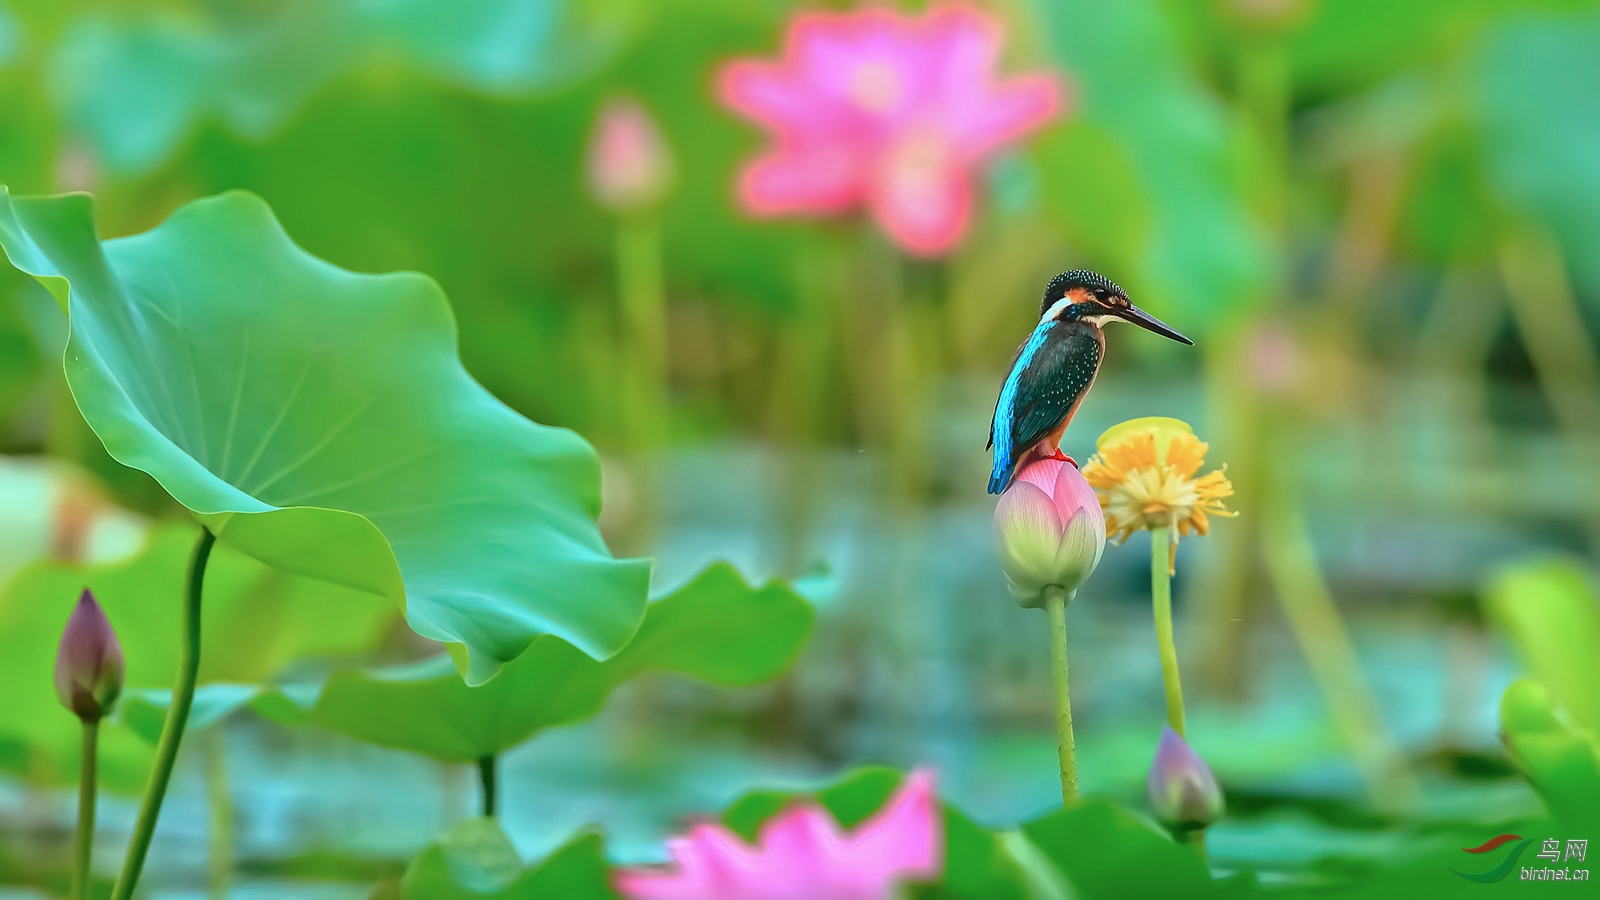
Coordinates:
column 629, row 164
column 1051, row 530
column 891, row 112
column 802, row 855
column 89, row 662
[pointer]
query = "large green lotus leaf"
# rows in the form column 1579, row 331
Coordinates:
column 320, row 420
column 1159, row 158
column 1551, row 612
column 475, row 860
column 1107, row 852
column 257, row 620
column 716, row 628
column 1562, row 763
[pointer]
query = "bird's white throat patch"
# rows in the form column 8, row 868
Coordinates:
column 1060, row 306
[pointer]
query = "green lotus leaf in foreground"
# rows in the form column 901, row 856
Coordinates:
column 1097, row 849
column 1549, row 610
column 321, row 421
column 716, row 628
column 265, row 618
column 475, row 860
column 1562, row 763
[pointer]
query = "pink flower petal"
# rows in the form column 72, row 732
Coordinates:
column 801, row 848
column 891, row 111
column 1072, row 493
column 1029, row 531
column 968, row 46
column 1081, row 546
column 802, row 854
column 1025, row 511
column 1041, row 473
column 705, row 863
column 920, row 194
column 818, row 179
column 1010, row 111
column 769, row 94
column 907, row 835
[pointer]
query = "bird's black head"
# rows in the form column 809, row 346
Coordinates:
column 1080, row 285
column 1089, row 296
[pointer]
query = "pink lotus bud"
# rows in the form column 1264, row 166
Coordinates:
column 1051, row 530
column 1183, row 792
column 630, row 165
column 89, row 662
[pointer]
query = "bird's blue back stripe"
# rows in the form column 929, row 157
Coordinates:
column 1008, row 399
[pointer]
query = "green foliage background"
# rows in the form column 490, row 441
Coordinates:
column 1375, row 217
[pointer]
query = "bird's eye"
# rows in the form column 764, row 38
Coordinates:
column 1100, row 293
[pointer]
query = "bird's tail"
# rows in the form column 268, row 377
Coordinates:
column 1000, row 478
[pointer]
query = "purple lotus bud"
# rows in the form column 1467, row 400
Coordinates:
column 1051, row 530
column 630, row 166
column 89, row 662
column 1183, row 792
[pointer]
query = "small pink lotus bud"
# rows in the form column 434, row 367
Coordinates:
column 89, row 662
column 1051, row 530
column 630, row 166
column 1183, row 792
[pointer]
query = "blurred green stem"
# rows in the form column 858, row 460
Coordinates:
column 890, row 342
column 796, row 406
column 219, row 803
column 1055, row 602
column 1161, row 599
column 1292, row 565
column 640, row 284
column 88, row 770
column 1558, row 340
column 1193, row 838
column 172, row 731
column 1552, row 326
column 488, row 776
column 1222, row 587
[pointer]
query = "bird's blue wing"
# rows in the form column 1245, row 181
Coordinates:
column 1011, row 371
column 1050, row 376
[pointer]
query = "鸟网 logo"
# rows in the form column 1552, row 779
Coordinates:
column 1551, row 850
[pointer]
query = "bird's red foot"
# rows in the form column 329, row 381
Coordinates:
column 1063, row 457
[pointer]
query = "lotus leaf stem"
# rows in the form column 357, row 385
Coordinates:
column 172, row 731
column 1056, row 604
column 488, row 774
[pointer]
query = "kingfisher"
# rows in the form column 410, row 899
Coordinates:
column 1055, row 367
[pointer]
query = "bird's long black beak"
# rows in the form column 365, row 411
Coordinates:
column 1148, row 322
